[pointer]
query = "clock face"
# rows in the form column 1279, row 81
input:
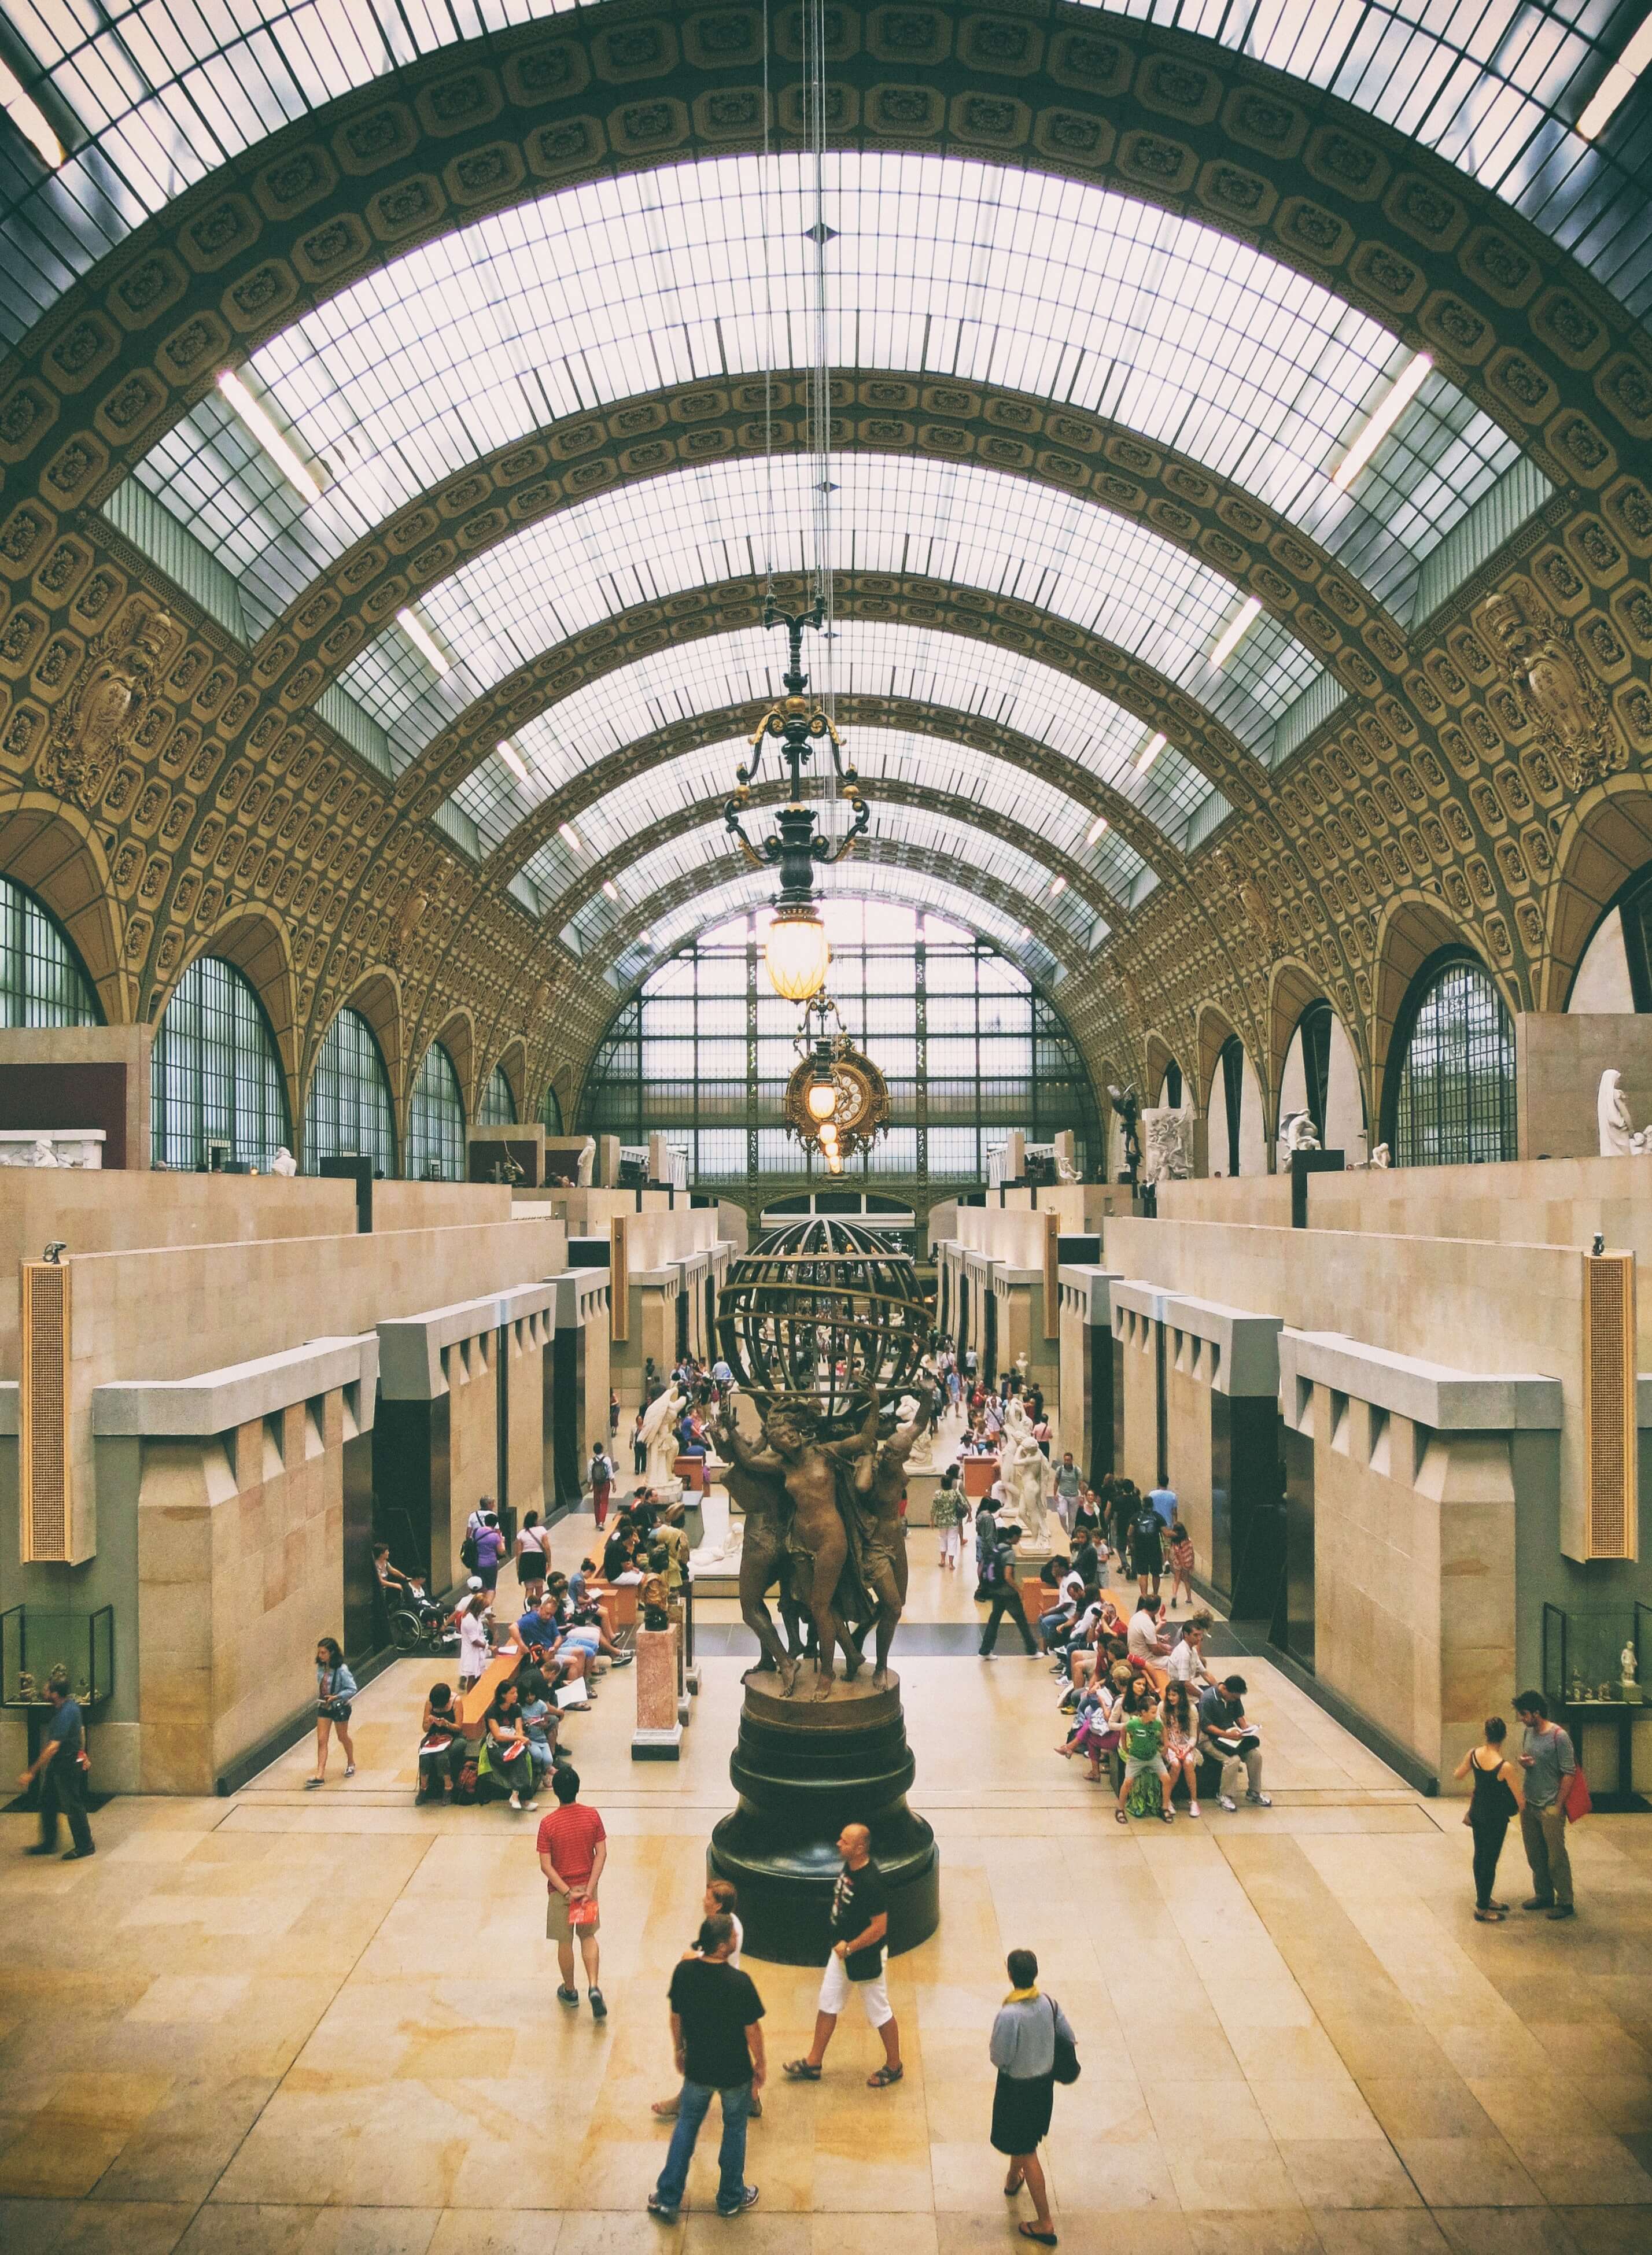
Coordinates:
column 862, row 1107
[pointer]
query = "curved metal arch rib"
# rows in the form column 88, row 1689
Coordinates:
column 533, row 846
column 1043, row 682
column 963, row 522
column 1095, row 301
column 140, row 131
column 1053, row 950
column 1080, row 883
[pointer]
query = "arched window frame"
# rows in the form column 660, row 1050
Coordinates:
column 552, row 1113
column 498, row 1105
column 43, row 981
column 1313, row 1030
column 1230, row 1060
column 1496, row 1123
column 436, row 1120
column 349, row 1107
column 215, row 1073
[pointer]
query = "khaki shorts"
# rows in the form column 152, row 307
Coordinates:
column 556, row 1920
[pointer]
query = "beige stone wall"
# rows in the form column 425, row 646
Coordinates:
column 1479, row 1308
column 1559, row 1062
column 1414, row 1576
column 1260, row 1198
column 473, row 1442
column 1072, row 1409
column 593, row 1423
column 240, row 1566
column 525, row 1414
column 125, row 1045
column 437, row 1206
column 1141, row 1406
column 1187, row 1420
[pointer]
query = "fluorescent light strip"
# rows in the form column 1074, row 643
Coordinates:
column 1059, row 886
column 423, row 642
column 567, row 831
column 1155, row 744
column 1096, row 828
column 611, row 890
column 1233, row 633
column 1400, row 394
column 29, row 118
column 513, row 761
column 1615, row 87
column 282, row 452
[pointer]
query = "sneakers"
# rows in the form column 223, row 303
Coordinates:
column 516, row 1801
column 1259, row 1799
column 1192, row 1809
column 599, row 2006
column 748, row 2199
column 656, row 2207
column 567, row 1996
column 1228, row 1801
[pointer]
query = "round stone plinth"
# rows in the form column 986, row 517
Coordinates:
column 804, row 1767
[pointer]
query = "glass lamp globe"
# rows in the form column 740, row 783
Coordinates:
column 834, row 1165
column 797, row 952
column 822, row 1098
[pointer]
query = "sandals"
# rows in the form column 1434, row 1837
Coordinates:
column 1044, row 2238
column 800, row 2070
column 884, row 2076
column 1119, row 1816
column 1489, row 1917
column 1167, row 1816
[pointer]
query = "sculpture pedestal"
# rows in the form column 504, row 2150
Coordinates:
column 804, row 1768
column 659, row 1735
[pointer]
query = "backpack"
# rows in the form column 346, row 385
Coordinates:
column 465, row 1788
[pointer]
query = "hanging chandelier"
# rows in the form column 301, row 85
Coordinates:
column 836, row 1102
column 796, row 949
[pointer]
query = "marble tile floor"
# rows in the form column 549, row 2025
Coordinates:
column 326, row 2022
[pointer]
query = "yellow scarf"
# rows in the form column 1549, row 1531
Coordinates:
column 1021, row 1996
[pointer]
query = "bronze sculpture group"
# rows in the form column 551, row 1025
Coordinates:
column 823, row 1520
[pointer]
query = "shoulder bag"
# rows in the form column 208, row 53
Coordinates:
column 1066, row 2068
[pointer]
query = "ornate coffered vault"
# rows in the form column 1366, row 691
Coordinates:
column 168, row 788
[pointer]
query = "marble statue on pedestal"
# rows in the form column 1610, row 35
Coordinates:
column 1628, row 1663
column 658, row 1436
column 1167, row 1132
column 1298, row 1133
column 283, row 1163
column 1619, row 1139
column 1021, row 1472
column 587, row 1163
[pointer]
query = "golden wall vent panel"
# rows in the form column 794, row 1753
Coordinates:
column 1609, row 1525
column 43, row 1470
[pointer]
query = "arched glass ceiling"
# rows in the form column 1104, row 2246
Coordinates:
column 157, row 94
column 870, row 657
column 938, row 265
column 974, row 847
column 854, row 880
column 1032, row 812
column 951, row 521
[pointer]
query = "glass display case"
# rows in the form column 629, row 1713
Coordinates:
column 39, row 1642
column 1594, row 1682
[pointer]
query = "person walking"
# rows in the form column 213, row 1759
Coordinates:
column 574, row 1847
column 601, row 1477
column 1067, row 1486
column 945, row 1512
column 334, row 1688
column 1023, row 2048
column 639, row 1446
column 1497, row 1796
column 1147, row 1546
column 1550, row 1763
column 860, row 1926
column 716, row 2017
column 998, row 1580
column 61, row 1769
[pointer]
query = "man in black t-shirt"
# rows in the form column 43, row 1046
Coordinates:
column 1147, row 1546
column 860, row 1926
column 718, row 2042
column 62, row 1779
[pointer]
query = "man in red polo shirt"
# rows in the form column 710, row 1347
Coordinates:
column 572, row 1848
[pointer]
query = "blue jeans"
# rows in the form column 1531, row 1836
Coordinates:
column 731, row 2154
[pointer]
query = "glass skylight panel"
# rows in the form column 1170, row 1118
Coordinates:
column 882, row 659
column 939, row 265
column 710, row 848
column 165, row 92
column 952, row 521
column 851, row 881
column 1032, row 812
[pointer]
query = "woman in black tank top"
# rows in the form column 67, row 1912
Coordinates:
column 1497, row 1797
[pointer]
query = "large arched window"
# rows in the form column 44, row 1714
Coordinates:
column 436, row 1121
column 969, row 1047
column 349, row 1108
column 498, row 1106
column 215, row 1074
column 1454, row 1099
column 553, row 1113
column 41, row 980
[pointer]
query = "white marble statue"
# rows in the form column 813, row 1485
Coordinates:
column 1296, row 1132
column 1619, row 1139
column 283, row 1162
column 1167, row 1137
column 1066, row 1156
column 1383, row 1157
column 1023, row 1470
column 1627, row 1662
column 586, row 1165
column 658, row 1436
column 922, row 1455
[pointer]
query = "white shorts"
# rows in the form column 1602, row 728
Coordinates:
column 836, row 1989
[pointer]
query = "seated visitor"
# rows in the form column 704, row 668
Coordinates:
column 441, row 1745
column 1146, row 1640
column 504, row 1758
column 1187, row 1662
column 1181, row 1743
column 1225, row 1736
column 540, row 1719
